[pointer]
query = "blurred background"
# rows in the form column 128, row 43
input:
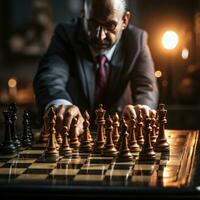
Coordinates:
column 173, row 28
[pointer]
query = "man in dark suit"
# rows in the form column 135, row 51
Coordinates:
column 102, row 55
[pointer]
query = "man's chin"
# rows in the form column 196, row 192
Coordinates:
column 101, row 51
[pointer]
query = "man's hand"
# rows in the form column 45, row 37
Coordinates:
column 64, row 116
column 132, row 111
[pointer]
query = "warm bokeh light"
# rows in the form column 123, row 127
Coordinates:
column 185, row 53
column 12, row 83
column 158, row 74
column 170, row 40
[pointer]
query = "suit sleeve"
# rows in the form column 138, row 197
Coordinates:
column 144, row 83
column 53, row 72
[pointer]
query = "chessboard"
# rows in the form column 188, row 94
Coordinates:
column 32, row 166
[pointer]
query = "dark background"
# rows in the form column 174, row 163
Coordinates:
column 155, row 16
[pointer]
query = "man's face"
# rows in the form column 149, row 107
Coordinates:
column 104, row 22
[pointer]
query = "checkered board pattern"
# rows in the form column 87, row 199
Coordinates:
column 31, row 166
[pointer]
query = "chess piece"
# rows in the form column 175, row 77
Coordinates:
column 133, row 145
column 115, row 128
column 52, row 150
column 139, row 129
column 59, row 138
column 65, row 148
column 109, row 147
column 86, row 145
column 74, row 141
column 13, row 115
column 44, row 135
column 7, row 147
column 161, row 144
column 100, row 121
column 29, row 125
column 153, row 126
column 124, row 152
column 147, row 152
column 26, row 141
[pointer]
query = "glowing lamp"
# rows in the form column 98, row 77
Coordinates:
column 170, row 40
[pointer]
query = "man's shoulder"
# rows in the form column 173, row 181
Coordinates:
column 68, row 28
column 134, row 36
column 133, row 30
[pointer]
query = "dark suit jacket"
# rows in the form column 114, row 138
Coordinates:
column 67, row 70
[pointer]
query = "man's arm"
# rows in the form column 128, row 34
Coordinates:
column 144, row 83
column 53, row 72
column 51, row 80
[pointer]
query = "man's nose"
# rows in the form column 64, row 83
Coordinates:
column 101, row 33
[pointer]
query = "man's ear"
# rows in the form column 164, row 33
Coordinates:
column 126, row 19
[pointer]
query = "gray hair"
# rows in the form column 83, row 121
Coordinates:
column 124, row 2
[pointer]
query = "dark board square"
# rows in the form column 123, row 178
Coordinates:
column 68, row 166
column 16, row 165
column 92, row 172
column 37, row 171
column 121, row 167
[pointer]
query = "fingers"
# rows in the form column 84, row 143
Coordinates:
column 70, row 112
column 64, row 116
column 131, row 111
column 60, row 110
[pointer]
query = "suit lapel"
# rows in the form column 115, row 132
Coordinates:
column 86, row 68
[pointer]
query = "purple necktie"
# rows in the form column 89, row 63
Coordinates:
column 101, row 78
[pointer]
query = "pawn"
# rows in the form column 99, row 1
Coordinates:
column 109, row 147
column 65, row 149
column 74, row 141
column 86, row 145
column 44, row 135
column 147, row 152
column 8, row 146
column 124, row 152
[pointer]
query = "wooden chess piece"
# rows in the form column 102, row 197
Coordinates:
column 86, row 145
column 115, row 128
column 139, row 129
column 161, row 144
column 7, row 147
column 74, row 141
column 59, row 138
column 44, row 134
column 109, row 147
column 147, row 152
column 65, row 148
column 153, row 126
column 52, row 150
column 124, row 152
column 100, row 122
column 133, row 145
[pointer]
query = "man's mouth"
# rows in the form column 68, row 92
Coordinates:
column 101, row 45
